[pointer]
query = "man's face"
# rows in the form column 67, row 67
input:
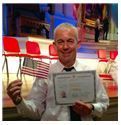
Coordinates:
column 66, row 45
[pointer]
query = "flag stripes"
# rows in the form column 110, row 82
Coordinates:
column 36, row 68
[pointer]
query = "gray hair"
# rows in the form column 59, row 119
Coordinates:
column 67, row 25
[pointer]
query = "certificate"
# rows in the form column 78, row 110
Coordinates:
column 72, row 86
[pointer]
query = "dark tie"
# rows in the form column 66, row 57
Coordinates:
column 73, row 115
column 68, row 69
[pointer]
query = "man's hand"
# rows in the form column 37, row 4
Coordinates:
column 14, row 91
column 83, row 109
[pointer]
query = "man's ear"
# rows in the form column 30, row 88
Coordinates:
column 79, row 44
column 53, row 42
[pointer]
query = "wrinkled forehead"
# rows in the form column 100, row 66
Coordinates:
column 65, row 34
column 64, row 31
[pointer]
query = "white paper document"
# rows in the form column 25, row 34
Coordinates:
column 72, row 86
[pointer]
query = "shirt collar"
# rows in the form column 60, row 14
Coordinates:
column 60, row 66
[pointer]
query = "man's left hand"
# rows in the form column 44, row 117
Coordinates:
column 82, row 108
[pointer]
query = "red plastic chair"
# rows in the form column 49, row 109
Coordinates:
column 107, row 76
column 102, row 55
column 11, row 49
column 33, row 50
column 53, row 52
column 113, row 54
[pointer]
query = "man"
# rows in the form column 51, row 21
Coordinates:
column 97, row 29
column 105, row 27
column 41, row 102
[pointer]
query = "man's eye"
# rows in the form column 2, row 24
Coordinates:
column 70, row 41
column 60, row 42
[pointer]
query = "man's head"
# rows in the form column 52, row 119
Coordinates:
column 66, row 42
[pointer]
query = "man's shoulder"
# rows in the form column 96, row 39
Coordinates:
column 82, row 66
column 54, row 67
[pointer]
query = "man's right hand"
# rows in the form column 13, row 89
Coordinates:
column 14, row 91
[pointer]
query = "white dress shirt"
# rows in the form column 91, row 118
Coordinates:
column 40, row 104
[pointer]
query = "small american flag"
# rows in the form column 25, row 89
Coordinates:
column 36, row 68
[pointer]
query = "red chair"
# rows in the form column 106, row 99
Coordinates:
column 11, row 49
column 102, row 55
column 53, row 52
column 113, row 54
column 107, row 76
column 33, row 50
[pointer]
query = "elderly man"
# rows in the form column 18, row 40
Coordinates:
column 40, row 104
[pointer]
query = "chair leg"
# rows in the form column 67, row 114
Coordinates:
column 25, row 81
column 7, row 70
column 33, row 66
column 3, row 65
column 4, row 89
column 19, row 69
column 17, row 73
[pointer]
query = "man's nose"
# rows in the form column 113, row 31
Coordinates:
column 65, row 46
